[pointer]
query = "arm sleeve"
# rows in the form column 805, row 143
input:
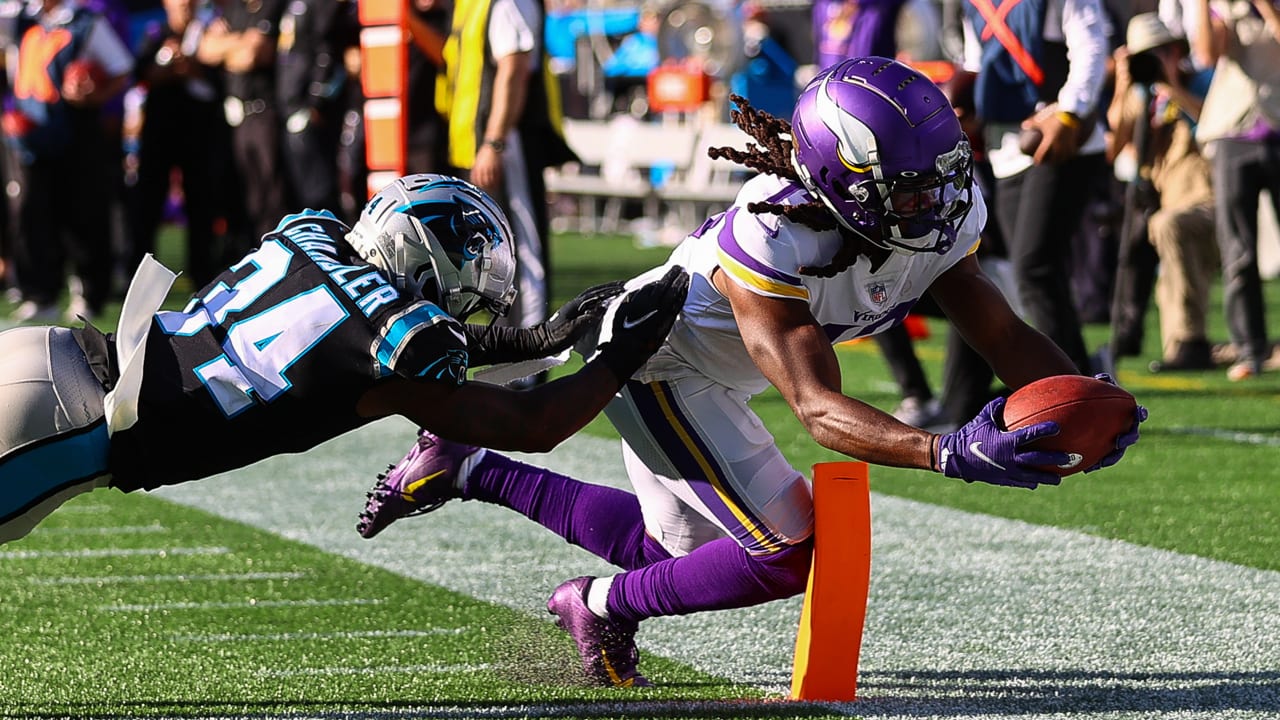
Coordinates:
column 1086, row 31
column 492, row 344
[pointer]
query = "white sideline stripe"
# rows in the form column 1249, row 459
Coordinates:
column 111, row 552
column 117, row 579
column 108, row 530
column 240, row 605
column 77, row 508
column 347, row 635
column 1246, row 438
column 969, row 615
column 377, row 670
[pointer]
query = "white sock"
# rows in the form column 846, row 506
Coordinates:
column 464, row 469
column 598, row 596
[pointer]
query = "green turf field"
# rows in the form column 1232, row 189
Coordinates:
column 1147, row 590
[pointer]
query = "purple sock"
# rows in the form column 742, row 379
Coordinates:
column 602, row 520
column 717, row 576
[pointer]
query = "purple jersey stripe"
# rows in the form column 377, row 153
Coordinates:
column 687, row 451
column 729, row 244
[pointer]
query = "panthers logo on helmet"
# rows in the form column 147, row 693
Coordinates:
column 456, row 220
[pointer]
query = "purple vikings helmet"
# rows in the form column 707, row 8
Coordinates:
column 878, row 143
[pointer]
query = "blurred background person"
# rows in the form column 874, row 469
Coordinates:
column 1152, row 114
column 242, row 42
column 854, row 28
column 67, row 63
column 503, row 112
column 310, row 87
column 180, row 100
column 1040, row 68
column 1239, row 130
column 428, row 134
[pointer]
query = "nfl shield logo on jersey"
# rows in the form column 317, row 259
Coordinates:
column 877, row 292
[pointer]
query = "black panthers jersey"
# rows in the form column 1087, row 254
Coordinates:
column 272, row 356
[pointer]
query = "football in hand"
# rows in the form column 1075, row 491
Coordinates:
column 1090, row 414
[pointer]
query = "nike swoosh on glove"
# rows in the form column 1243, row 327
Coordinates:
column 643, row 319
column 982, row 452
column 1124, row 441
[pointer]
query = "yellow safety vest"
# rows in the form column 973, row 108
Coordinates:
column 458, row 88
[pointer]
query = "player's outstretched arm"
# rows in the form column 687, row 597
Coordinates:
column 539, row 419
column 794, row 353
column 1018, row 353
column 490, row 344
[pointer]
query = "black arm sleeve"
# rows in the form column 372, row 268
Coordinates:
column 490, row 344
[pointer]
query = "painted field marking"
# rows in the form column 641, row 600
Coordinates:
column 108, row 530
column 1235, row 436
column 378, row 670
column 969, row 615
column 240, row 605
column 111, row 552
column 118, row 579
column 83, row 508
column 342, row 635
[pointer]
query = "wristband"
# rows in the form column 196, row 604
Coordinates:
column 1068, row 119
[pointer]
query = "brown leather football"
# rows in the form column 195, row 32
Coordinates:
column 1090, row 414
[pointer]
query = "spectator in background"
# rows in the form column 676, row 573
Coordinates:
column 353, row 166
column 1157, row 93
column 502, row 108
column 1028, row 79
column 310, row 82
column 1240, row 132
column 428, row 133
column 242, row 42
column 637, row 54
column 854, row 28
column 183, row 102
column 845, row 29
column 67, row 63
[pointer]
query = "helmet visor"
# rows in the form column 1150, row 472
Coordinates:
column 921, row 212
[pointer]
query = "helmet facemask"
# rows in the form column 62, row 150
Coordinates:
column 878, row 144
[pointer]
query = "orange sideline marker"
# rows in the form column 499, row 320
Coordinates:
column 384, row 62
column 835, row 604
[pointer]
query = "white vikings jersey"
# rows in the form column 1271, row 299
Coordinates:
column 763, row 253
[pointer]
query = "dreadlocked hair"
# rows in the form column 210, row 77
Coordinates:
column 771, row 154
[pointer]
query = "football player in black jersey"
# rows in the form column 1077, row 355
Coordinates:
column 322, row 329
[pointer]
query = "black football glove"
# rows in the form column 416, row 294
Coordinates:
column 642, row 322
column 487, row 344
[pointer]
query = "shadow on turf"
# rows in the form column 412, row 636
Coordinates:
column 1034, row 692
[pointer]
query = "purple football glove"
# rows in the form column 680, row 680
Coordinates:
column 981, row 452
column 1124, row 441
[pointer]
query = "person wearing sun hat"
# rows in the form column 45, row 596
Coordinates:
column 1154, row 109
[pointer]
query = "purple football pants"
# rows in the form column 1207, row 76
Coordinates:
column 607, row 522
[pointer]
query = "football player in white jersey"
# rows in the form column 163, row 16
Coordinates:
column 864, row 202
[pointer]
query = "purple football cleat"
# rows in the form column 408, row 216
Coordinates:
column 421, row 482
column 608, row 647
